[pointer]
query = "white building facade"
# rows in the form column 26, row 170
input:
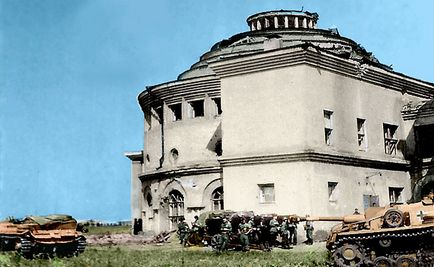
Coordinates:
column 284, row 119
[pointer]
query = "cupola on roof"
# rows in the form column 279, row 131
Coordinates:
column 282, row 19
column 279, row 29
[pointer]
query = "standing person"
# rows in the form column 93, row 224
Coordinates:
column 284, row 231
column 182, row 230
column 195, row 224
column 292, row 231
column 309, row 232
column 244, row 229
column 274, row 230
column 226, row 229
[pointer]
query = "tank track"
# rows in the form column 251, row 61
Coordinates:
column 394, row 245
column 81, row 245
column 26, row 248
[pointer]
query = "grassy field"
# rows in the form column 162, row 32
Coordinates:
column 174, row 255
column 108, row 230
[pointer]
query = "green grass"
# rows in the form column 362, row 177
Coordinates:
column 174, row 255
column 108, row 230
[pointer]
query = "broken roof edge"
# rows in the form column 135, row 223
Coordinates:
column 309, row 46
column 134, row 155
column 171, row 83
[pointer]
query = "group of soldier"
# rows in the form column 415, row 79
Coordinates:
column 249, row 230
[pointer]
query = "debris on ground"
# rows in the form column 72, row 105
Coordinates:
column 124, row 239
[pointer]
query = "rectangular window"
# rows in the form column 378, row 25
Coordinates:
column 332, row 190
column 176, row 110
column 361, row 134
column 266, row 193
column 328, row 126
column 217, row 106
column 371, row 201
column 390, row 140
column 395, row 195
column 196, row 109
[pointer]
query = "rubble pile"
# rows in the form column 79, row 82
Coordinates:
column 126, row 239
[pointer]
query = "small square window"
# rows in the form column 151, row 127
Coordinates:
column 266, row 193
column 196, row 109
column 395, row 195
column 176, row 111
column 371, row 201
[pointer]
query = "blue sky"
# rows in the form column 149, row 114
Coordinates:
column 70, row 73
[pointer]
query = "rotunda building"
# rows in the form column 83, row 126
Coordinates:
column 284, row 118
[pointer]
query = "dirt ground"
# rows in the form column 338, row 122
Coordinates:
column 170, row 239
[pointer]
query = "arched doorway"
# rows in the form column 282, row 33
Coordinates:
column 176, row 208
column 217, row 199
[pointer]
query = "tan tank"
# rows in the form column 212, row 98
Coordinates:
column 53, row 235
column 400, row 235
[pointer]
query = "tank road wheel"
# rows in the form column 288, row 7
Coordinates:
column 385, row 243
column 349, row 255
column 406, row 261
column 383, row 262
column 393, row 218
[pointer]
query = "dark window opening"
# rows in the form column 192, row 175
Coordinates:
column 159, row 113
column 176, row 207
column 361, row 134
column 217, row 199
column 395, row 195
column 425, row 141
column 218, row 106
column 176, row 110
column 331, row 190
column 390, row 140
column 197, row 109
column 328, row 127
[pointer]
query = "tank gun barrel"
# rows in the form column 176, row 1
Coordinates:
column 324, row 218
column 346, row 219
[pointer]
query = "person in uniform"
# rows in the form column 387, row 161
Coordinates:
column 226, row 229
column 292, row 227
column 244, row 229
column 274, row 230
column 284, row 233
column 182, row 231
column 308, row 227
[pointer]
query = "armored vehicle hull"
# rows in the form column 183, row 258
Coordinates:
column 400, row 235
column 53, row 235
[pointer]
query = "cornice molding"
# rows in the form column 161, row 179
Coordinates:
column 399, row 165
column 421, row 109
column 316, row 57
column 186, row 171
column 175, row 91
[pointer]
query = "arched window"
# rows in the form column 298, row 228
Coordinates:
column 176, row 206
column 217, row 199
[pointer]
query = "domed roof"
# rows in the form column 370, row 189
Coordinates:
column 275, row 30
